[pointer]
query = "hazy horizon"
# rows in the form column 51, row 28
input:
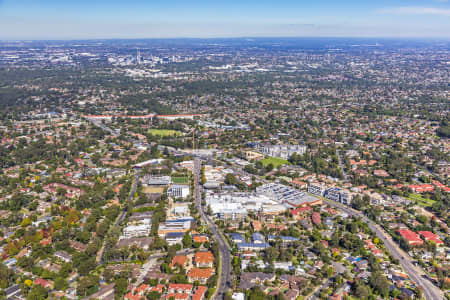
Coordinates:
column 139, row 19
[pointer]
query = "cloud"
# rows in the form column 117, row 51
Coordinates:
column 416, row 10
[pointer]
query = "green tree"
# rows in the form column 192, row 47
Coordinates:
column 153, row 295
column 60, row 284
column 121, row 286
column 379, row 282
column 37, row 292
column 187, row 241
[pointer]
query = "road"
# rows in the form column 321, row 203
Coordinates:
column 121, row 216
column 99, row 124
column 430, row 291
column 341, row 165
column 224, row 250
column 316, row 294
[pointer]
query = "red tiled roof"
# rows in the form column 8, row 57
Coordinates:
column 300, row 210
column 131, row 296
column 420, row 188
column 199, row 273
column 200, row 239
column 42, row 282
column 203, row 257
column 316, row 218
column 177, row 296
column 159, row 288
column 180, row 286
column 142, row 288
column 412, row 237
column 178, row 259
column 199, row 292
column 429, row 236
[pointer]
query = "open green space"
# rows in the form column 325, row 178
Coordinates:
column 275, row 161
column 164, row 132
column 419, row 199
column 180, row 180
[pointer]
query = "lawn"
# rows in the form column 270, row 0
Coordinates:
column 164, row 132
column 421, row 200
column 275, row 161
column 180, row 180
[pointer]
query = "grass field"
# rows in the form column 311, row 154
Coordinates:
column 421, row 200
column 180, row 180
column 163, row 132
column 275, row 161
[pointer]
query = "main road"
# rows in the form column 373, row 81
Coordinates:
column 430, row 291
column 224, row 250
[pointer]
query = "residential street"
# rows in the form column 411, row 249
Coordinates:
column 224, row 283
column 430, row 291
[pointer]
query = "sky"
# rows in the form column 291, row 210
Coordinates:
column 103, row 19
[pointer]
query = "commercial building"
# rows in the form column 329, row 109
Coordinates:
column 173, row 238
column 338, row 195
column 289, row 196
column 282, row 151
column 171, row 226
column 137, row 230
column 157, row 180
column 177, row 210
column 235, row 206
column 178, row 191
column 317, row 189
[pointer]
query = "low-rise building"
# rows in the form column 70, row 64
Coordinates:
column 106, row 292
column 200, row 275
column 178, row 191
column 252, row 155
column 64, row 256
column 411, row 237
column 338, row 195
column 317, row 189
column 430, row 236
column 173, row 238
column 137, row 230
column 291, row 197
column 204, row 259
column 171, row 226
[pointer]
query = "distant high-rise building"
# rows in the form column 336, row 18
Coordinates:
column 138, row 57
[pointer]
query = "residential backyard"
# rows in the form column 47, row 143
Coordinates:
column 419, row 199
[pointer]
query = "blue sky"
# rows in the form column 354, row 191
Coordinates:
column 79, row 19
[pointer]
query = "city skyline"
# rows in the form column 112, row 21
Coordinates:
column 49, row 19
